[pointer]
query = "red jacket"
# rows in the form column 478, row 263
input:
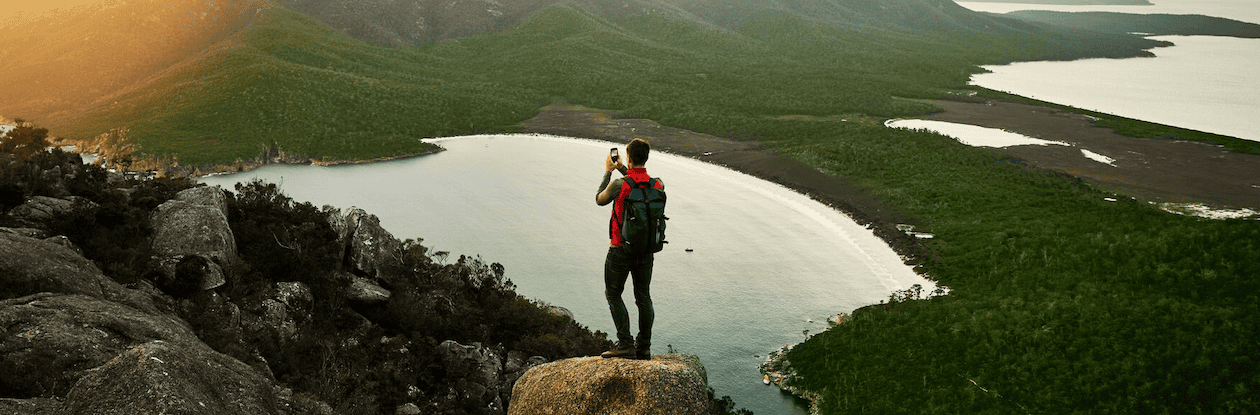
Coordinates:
column 639, row 175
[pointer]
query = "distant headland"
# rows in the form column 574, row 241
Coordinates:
column 1074, row 2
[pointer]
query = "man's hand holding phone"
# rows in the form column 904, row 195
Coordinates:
column 613, row 162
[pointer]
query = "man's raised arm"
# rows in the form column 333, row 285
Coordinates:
column 607, row 191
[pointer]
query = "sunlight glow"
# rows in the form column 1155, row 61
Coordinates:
column 37, row 8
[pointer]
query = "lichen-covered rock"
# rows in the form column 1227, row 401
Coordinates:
column 173, row 378
column 196, row 273
column 559, row 311
column 274, row 315
column 29, row 266
column 365, row 291
column 32, row 406
column 49, row 340
column 294, row 294
column 27, row 232
column 515, row 366
column 269, row 320
column 481, row 364
column 212, row 196
column 298, row 302
column 407, row 409
column 64, row 241
column 39, row 211
column 194, row 224
column 478, row 375
column 667, row 384
column 371, row 247
column 337, row 221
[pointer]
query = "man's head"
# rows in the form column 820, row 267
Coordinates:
column 637, row 151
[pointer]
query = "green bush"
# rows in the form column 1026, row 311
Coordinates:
column 23, row 142
column 280, row 239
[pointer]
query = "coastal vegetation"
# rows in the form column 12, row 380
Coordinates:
column 1061, row 301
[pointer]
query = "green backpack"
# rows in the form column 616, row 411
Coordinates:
column 643, row 226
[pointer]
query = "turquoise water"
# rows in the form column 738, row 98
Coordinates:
column 767, row 263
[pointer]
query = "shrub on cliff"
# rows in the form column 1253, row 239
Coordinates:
column 471, row 301
column 114, row 232
column 280, row 239
column 23, row 141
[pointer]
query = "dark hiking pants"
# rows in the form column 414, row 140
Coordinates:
column 619, row 265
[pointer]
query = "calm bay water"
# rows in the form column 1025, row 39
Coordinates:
column 767, row 264
column 1204, row 83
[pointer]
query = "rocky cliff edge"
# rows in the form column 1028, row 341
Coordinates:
column 667, row 384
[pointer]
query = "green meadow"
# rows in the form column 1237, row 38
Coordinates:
column 1060, row 302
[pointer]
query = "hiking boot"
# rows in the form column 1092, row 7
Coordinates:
column 622, row 350
column 643, row 353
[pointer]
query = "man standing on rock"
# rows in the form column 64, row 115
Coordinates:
column 620, row 262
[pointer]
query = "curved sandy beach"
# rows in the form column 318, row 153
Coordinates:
column 1155, row 170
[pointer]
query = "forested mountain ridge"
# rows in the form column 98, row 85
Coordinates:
column 1154, row 24
column 1073, row 2
column 197, row 82
column 412, row 21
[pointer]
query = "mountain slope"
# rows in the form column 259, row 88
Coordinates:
column 398, row 22
column 63, row 62
column 203, row 82
column 280, row 79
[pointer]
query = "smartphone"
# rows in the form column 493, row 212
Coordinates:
column 614, row 154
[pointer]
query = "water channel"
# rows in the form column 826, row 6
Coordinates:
column 1203, row 83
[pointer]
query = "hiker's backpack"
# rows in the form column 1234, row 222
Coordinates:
column 643, row 225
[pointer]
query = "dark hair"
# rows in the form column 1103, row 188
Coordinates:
column 638, row 150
